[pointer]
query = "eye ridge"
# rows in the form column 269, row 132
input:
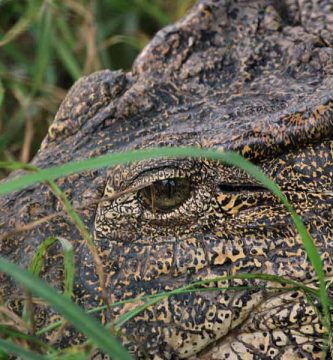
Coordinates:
column 165, row 195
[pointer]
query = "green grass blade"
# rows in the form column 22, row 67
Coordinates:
column 16, row 30
column 73, row 313
column 110, row 160
column 121, row 320
column 15, row 126
column 126, row 39
column 38, row 260
column 2, row 93
column 66, row 31
column 70, row 356
column 68, row 266
column 44, row 49
column 193, row 287
column 67, row 58
column 154, row 10
column 23, row 353
column 23, row 23
column 14, row 334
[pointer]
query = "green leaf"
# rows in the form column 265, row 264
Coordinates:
column 43, row 50
column 72, row 312
column 154, row 11
column 68, row 59
column 194, row 287
column 38, row 259
column 12, row 348
column 2, row 93
column 14, row 334
column 121, row 320
column 68, row 266
column 23, row 23
column 114, row 159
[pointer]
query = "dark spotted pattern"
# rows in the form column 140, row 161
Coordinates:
column 251, row 76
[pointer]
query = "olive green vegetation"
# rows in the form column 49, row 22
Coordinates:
column 45, row 45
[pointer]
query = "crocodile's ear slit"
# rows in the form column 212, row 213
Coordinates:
column 86, row 97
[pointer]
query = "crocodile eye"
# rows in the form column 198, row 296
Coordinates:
column 165, row 195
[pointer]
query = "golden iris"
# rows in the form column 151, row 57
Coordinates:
column 166, row 195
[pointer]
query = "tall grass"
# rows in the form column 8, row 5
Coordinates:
column 45, row 45
column 102, row 338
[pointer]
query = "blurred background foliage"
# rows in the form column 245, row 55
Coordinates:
column 45, row 45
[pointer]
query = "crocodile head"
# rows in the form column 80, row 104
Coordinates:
column 254, row 77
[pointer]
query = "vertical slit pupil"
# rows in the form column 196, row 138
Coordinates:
column 169, row 185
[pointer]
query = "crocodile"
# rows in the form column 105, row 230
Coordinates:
column 255, row 77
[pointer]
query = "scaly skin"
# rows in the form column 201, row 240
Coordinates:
column 250, row 76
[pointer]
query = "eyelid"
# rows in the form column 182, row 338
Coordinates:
column 122, row 193
column 148, row 171
column 149, row 176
